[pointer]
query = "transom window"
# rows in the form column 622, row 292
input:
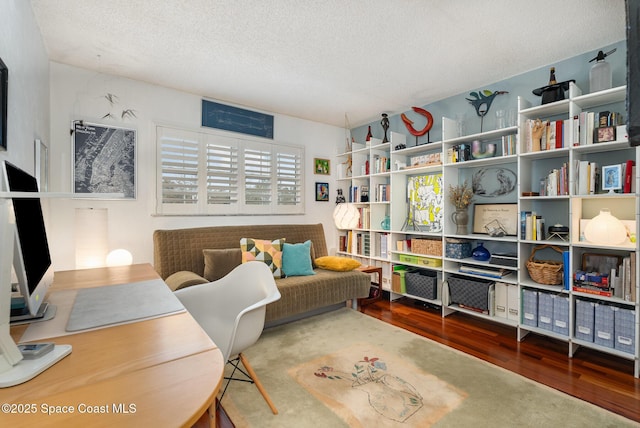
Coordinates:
column 209, row 174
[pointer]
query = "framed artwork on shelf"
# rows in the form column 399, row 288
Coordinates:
column 104, row 159
column 322, row 192
column 486, row 218
column 322, row 166
column 612, row 177
column 605, row 134
column 424, row 193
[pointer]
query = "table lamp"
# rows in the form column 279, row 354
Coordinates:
column 605, row 229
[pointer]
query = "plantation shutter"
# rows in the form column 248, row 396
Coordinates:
column 258, row 170
column 209, row 174
column 222, row 174
column 179, row 166
column 289, row 176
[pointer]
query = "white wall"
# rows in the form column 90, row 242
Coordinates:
column 23, row 52
column 78, row 94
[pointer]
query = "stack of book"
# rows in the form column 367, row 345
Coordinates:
column 489, row 272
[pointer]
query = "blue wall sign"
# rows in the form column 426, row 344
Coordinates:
column 229, row 118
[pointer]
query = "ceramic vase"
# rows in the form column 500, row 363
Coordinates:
column 460, row 218
column 480, row 253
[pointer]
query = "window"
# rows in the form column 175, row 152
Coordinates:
column 209, row 174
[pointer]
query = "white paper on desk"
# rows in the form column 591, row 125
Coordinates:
column 93, row 308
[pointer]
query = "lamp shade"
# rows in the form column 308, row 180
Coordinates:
column 346, row 216
column 119, row 257
column 605, row 229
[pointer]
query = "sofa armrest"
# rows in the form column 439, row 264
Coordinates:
column 183, row 279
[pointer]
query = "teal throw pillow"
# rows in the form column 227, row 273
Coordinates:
column 296, row 259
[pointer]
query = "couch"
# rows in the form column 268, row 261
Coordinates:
column 179, row 260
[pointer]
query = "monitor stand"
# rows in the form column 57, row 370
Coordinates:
column 28, row 369
column 45, row 313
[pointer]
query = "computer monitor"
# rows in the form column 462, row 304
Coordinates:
column 31, row 257
column 21, row 221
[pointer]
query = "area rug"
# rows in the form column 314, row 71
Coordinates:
column 347, row 369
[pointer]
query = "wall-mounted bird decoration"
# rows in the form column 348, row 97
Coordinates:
column 482, row 102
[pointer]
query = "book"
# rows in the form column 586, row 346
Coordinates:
column 592, row 290
column 566, row 269
column 559, row 137
column 628, row 177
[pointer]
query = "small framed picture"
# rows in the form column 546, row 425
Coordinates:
column 322, row 192
column 322, row 166
column 606, row 133
column 612, row 177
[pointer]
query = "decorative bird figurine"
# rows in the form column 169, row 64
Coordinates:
column 482, row 102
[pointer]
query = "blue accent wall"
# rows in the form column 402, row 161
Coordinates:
column 576, row 68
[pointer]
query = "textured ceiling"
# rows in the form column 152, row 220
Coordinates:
column 320, row 60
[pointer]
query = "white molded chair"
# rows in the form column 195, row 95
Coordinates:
column 232, row 311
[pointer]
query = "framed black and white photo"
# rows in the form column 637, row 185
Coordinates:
column 104, row 160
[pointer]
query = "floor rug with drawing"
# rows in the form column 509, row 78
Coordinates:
column 346, row 369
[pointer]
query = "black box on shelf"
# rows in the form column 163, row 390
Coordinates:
column 470, row 293
column 421, row 284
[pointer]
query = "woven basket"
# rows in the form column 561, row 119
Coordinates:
column 548, row 272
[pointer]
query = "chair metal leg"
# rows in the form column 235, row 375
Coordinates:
column 255, row 379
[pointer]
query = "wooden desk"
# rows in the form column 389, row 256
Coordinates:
column 159, row 372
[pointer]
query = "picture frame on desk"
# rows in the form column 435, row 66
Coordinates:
column 505, row 214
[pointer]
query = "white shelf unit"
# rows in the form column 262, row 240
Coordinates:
column 570, row 209
column 529, row 167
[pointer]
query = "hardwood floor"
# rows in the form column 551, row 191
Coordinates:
column 602, row 379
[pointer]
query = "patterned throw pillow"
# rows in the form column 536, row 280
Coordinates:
column 269, row 252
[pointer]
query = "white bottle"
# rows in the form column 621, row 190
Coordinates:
column 600, row 74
